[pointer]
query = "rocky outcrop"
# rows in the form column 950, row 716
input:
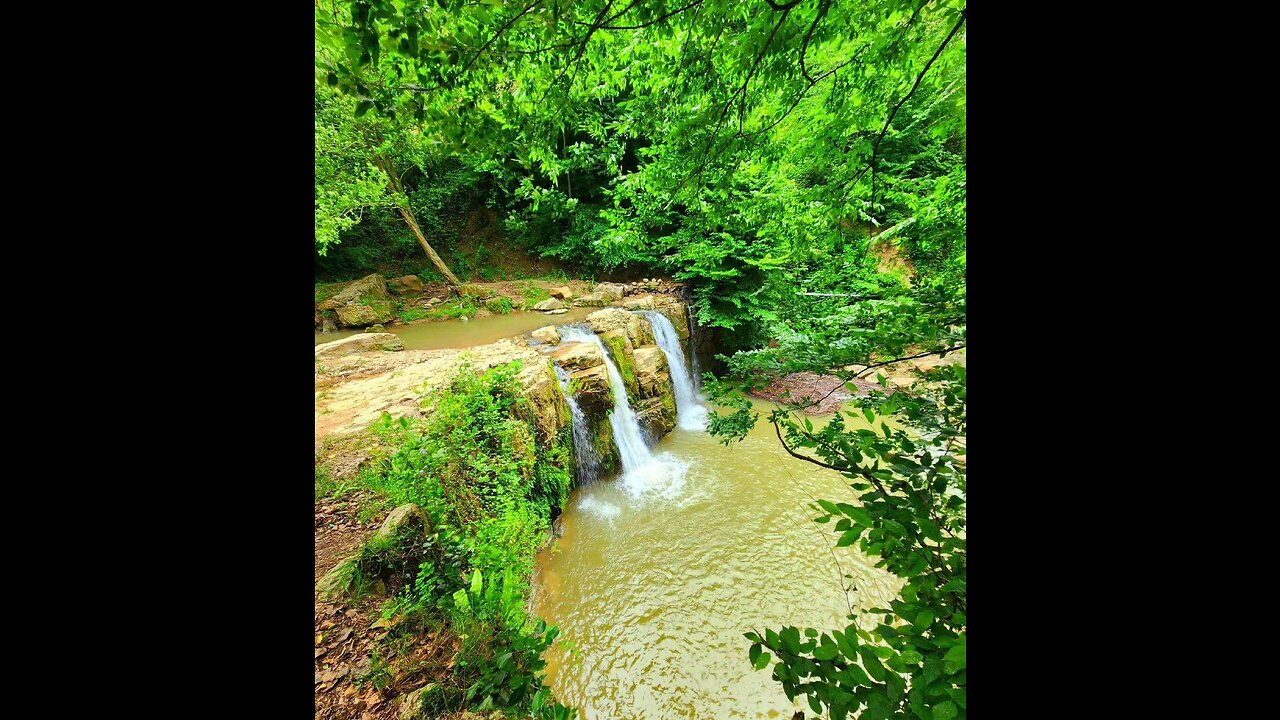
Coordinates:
column 364, row 342
column 675, row 311
column 655, row 404
column 406, row 285
column 563, row 293
column 398, row 383
column 363, row 302
column 396, row 546
column 651, row 369
column 617, row 321
column 550, row 304
column 644, row 302
column 610, row 291
column 406, row 518
column 592, row 300
column 591, row 388
column 575, row 356
column 547, row 334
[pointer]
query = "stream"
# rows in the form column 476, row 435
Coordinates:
column 661, row 570
column 443, row 334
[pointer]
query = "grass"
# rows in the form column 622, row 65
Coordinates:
column 534, row 295
column 408, row 315
column 454, row 308
column 499, row 305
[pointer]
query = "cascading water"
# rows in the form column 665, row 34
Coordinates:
column 642, row 471
column 690, row 414
column 626, row 429
column 587, row 465
column 693, row 348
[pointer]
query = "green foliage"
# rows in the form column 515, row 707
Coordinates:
column 499, row 305
column 490, row 490
column 533, row 295
column 910, row 486
column 748, row 149
column 454, row 308
column 408, row 315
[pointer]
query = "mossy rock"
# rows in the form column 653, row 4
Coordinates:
column 620, row 350
column 479, row 292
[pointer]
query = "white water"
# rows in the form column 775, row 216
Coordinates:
column 690, row 413
column 642, row 472
column 693, row 349
column 587, row 460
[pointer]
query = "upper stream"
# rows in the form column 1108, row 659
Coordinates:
column 441, row 334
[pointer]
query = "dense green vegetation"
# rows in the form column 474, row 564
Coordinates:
column 490, row 489
column 764, row 152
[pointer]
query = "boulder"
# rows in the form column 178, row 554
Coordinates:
column 577, row 356
column 611, row 291
column 364, row 342
column 592, row 300
column 561, row 311
column 657, row 415
column 405, row 285
column 375, row 328
column 337, row 581
column 590, row 387
column 410, row 516
column 651, row 369
column 547, row 334
column 639, row 303
column 634, row 328
column 409, row 705
column 550, row 304
column 363, row 302
column 678, row 317
column 564, row 293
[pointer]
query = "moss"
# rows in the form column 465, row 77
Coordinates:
column 626, row 365
column 603, row 440
column 499, row 305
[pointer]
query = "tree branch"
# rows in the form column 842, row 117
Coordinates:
column 875, row 146
column 909, row 357
column 506, row 26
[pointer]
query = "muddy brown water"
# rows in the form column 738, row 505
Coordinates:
column 656, row 579
column 442, row 334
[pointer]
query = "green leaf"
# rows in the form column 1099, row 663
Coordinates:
column 956, row 658
column 924, row 619
column 871, row 663
column 363, row 107
column 869, row 415
column 945, row 711
column 827, row 650
column 476, row 582
column 791, row 640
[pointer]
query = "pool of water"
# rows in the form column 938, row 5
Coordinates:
column 657, row 577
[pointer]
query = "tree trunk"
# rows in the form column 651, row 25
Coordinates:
column 431, row 253
column 393, row 183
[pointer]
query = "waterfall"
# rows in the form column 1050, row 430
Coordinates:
column 626, row 429
column 693, row 348
column 690, row 414
column 587, row 459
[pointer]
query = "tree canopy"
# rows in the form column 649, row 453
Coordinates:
column 765, row 152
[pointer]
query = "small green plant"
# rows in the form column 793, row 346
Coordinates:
column 499, row 305
column 534, row 295
column 453, row 309
column 409, row 315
